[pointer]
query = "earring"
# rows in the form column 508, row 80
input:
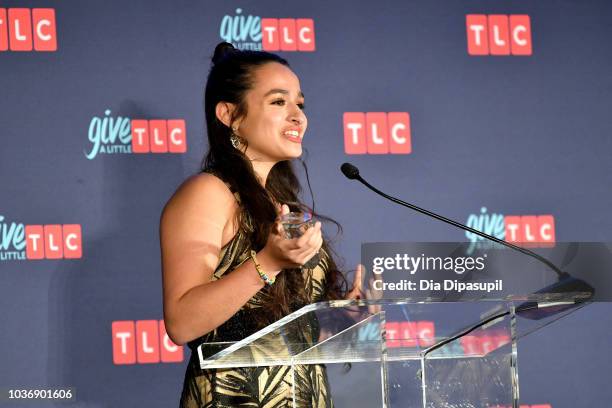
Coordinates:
column 235, row 139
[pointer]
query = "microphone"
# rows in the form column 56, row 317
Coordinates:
column 565, row 283
column 351, row 172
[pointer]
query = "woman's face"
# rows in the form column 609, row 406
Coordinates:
column 275, row 122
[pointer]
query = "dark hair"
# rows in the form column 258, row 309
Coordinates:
column 230, row 77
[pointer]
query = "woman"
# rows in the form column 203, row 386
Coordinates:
column 228, row 271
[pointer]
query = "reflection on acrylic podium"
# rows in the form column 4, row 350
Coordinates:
column 400, row 353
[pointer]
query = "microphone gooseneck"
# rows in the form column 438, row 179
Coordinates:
column 565, row 283
column 352, row 172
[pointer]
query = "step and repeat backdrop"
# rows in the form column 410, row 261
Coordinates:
column 493, row 113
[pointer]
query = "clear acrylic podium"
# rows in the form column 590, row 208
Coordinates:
column 402, row 352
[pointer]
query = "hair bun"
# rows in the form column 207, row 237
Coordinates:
column 222, row 50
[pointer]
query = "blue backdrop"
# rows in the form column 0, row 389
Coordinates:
column 517, row 134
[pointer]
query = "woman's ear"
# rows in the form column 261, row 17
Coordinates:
column 224, row 111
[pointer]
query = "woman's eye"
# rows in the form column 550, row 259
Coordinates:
column 282, row 102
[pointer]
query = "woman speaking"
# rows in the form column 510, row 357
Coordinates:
column 228, row 269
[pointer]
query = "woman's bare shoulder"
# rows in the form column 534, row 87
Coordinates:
column 203, row 193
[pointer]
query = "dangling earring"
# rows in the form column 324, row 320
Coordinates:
column 235, row 139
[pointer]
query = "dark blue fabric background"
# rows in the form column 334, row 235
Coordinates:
column 519, row 135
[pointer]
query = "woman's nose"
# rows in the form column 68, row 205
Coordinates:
column 298, row 117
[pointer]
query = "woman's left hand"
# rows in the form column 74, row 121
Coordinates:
column 356, row 291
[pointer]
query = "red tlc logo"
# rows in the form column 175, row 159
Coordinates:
column 158, row 136
column 24, row 30
column 377, row 133
column 287, row 34
column 53, row 241
column 143, row 342
column 498, row 34
column 482, row 345
column 410, row 334
column 530, row 230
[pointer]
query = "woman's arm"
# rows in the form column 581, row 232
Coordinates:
column 191, row 233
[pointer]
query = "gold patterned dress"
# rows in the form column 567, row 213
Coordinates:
column 263, row 387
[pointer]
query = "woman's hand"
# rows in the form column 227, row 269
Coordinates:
column 282, row 253
column 357, row 291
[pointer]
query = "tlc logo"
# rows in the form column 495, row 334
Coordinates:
column 288, row 34
column 498, row 35
column 20, row 29
column 409, row 334
column 21, row 242
column 523, row 230
column 377, row 133
column 483, row 344
column 144, row 342
column 121, row 135
column 268, row 34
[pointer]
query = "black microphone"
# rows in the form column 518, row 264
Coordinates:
column 350, row 171
column 565, row 284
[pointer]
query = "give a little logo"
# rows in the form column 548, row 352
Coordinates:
column 27, row 242
column 121, row 135
column 249, row 32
